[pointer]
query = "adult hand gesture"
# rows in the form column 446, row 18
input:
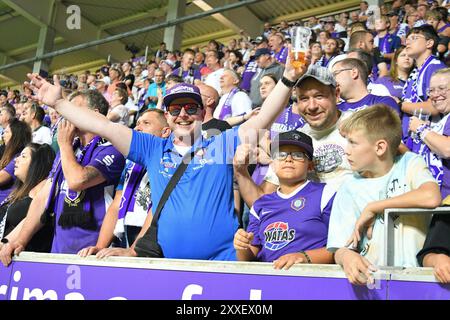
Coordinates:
column 44, row 91
column 66, row 133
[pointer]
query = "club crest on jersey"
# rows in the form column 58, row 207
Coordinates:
column 278, row 235
column 298, row 204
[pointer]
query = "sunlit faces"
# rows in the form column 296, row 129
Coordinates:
column 188, row 60
column 228, row 80
column 7, row 135
column 185, row 124
column 361, row 153
column 343, row 77
column 317, row 104
column 22, row 164
column 439, row 92
column 149, row 122
column 290, row 170
column 331, row 46
column 266, row 85
column 404, row 62
column 416, row 44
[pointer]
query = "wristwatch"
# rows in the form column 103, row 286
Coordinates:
column 4, row 240
column 288, row 83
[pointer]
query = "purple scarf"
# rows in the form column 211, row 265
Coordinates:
column 77, row 205
column 129, row 191
column 226, row 108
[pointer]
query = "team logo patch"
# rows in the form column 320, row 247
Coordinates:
column 298, row 204
column 278, row 235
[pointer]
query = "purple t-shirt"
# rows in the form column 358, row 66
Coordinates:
column 6, row 189
column 247, row 75
column 395, row 88
column 188, row 76
column 284, row 224
column 368, row 101
column 110, row 163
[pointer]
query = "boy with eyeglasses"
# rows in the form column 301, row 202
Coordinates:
column 421, row 45
column 290, row 225
column 381, row 180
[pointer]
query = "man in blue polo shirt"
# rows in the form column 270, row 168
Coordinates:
column 197, row 221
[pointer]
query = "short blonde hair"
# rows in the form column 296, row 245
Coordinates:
column 378, row 122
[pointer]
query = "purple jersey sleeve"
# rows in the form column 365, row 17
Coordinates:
column 10, row 167
column 254, row 225
column 391, row 103
column 109, row 161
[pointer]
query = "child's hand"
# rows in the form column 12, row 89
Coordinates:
column 357, row 268
column 242, row 239
column 288, row 260
column 365, row 221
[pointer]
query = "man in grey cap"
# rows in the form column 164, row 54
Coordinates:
column 266, row 64
column 317, row 97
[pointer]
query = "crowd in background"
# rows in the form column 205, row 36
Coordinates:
column 393, row 57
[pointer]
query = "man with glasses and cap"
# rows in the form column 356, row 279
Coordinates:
column 198, row 219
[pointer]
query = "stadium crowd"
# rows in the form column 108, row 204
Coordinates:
column 243, row 156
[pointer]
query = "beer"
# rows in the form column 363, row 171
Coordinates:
column 297, row 59
column 300, row 44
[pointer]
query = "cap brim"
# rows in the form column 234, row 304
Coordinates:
column 327, row 83
column 309, row 150
column 167, row 100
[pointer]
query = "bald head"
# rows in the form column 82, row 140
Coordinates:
column 210, row 96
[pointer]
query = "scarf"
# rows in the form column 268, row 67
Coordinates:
column 226, row 108
column 129, row 195
column 77, row 205
column 414, row 77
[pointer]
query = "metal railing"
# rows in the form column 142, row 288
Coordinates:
column 389, row 228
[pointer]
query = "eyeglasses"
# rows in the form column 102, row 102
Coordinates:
column 189, row 108
column 414, row 38
column 335, row 73
column 439, row 91
column 296, row 155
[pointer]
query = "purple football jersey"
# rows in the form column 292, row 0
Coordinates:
column 284, row 224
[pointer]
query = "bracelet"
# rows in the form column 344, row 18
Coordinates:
column 308, row 259
column 288, row 83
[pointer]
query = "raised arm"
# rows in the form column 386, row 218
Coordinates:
column 275, row 102
column 83, row 118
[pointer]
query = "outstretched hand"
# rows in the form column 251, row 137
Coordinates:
column 44, row 91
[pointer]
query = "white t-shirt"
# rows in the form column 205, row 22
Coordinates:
column 409, row 172
column 213, row 79
column 240, row 104
column 42, row 135
column 330, row 163
column 122, row 112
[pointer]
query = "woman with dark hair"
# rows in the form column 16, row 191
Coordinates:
column 401, row 66
column 16, row 136
column 234, row 60
column 330, row 51
column 31, row 168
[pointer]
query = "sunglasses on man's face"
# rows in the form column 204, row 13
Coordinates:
column 189, row 108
